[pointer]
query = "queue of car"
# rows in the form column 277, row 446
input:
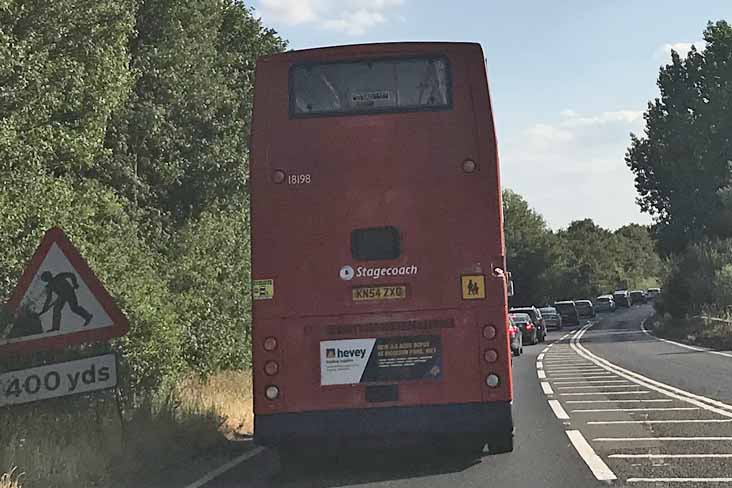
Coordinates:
column 530, row 324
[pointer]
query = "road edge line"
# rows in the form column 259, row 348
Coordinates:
column 681, row 344
column 211, row 475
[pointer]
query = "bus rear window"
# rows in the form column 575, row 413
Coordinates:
column 392, row 85
column 376, row 243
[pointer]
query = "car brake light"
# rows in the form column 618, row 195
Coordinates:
column 529, row 326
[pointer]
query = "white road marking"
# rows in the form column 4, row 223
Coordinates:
column 636, row 392
column 581, row 369
column 679, row 480
column 646, row 439
column 558, row 410
column 672, row 421
column 225, row 467
column 637, row 400
column 595, row 387
column 575, row 377
column 589, row 456
column 669, row 456
column 708, row 404
column 547, row 388
column 591, row 382
column 539, row 365
column 540, row 357
column 685, row 346
column 541, row 374
column 661, row 409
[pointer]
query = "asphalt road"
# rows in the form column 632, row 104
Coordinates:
column 606, row 405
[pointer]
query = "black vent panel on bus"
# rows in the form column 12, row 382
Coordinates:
column 375, row 243
column 382, row 393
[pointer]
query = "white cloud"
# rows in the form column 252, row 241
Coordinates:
column 573, row 167
column 682, row 48
column 353, row 17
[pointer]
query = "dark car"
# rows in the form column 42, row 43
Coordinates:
column 653, row 293
column 529, row 331
column 605, row 303
column 585, row 309
column 551, row 317
column 536, row 317
column 638, row 296
column 568, row 311
column 514, row 333
column 622, row 298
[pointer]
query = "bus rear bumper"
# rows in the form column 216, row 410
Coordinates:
column 385, row 425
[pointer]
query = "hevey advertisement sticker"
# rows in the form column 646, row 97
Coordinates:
column 352, row 361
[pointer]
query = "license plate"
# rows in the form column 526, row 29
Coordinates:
column 365, row 293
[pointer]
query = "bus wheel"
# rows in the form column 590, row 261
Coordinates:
column 501, row 444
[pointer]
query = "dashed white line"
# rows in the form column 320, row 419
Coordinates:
column 540, row 357
column 672, row 421
column 539, row 365
column 598, row 467
column 541, row 374
column 661, row 409
column 546, row 388
column 558, row 410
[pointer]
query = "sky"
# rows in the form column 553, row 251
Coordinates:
column 569, row 80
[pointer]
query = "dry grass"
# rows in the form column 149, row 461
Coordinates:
column 70, row 443
column 229, row 394
column 10, row 480
column 695, row 330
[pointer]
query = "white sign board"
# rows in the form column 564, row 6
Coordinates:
column 343, row 362
column 57, row 380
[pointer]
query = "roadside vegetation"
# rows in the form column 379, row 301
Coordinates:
column 684, row 178
column 130, row 133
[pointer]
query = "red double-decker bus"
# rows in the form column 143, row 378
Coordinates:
column 377, row 249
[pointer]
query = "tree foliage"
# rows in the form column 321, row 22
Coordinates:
column 682, row 163
column 126, row 123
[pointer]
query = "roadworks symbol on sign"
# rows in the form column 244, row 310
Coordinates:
column 59, row 301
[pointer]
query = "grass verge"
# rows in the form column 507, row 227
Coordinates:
column 699, row 331
column 80, row 441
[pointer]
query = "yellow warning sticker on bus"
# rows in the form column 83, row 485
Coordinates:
column 473, row 286
column 263, row 289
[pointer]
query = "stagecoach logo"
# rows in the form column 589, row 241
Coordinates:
column 347, row 273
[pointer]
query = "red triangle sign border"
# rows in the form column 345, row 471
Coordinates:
column 120, row 324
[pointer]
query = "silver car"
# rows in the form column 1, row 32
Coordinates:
column 552, row 319
column 605, row 303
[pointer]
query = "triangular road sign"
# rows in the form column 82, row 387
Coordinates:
column 59, row 302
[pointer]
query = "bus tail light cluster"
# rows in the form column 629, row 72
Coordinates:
column 492, row 380
column 490, row 356
column 489, row 332
column 272, row 392
column 270, row 344
column 271, row 368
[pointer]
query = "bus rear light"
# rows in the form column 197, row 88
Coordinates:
column 271, row 368
column 278, row 176
column 490, row 356
column 492, row 380
column 489, row 332
column 469, row 166
column 272, row 392
column 270, row 344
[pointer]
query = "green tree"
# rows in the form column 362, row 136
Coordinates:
column 682, row 163
column 529, row 250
